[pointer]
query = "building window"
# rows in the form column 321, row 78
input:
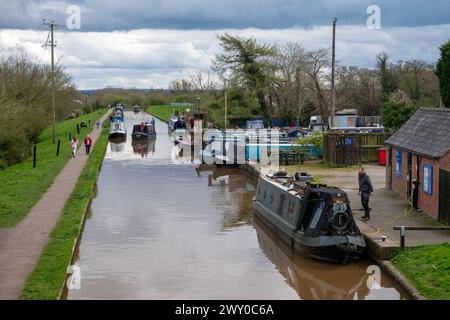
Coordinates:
column 398, row 163
column 427, row 179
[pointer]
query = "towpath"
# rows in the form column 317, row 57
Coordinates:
column 22, row 245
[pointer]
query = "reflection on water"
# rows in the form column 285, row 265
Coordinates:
column 144, row 147
column 315, row 280
column 117, row 145
column 160, row 230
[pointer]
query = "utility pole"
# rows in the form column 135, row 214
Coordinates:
column 333, row 64
column 52, row 45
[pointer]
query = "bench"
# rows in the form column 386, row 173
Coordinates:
column 292, row 157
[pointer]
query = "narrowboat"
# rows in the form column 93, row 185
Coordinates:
column 117, row 129
column 176, row 122
column 143, row 131
column 314, row 220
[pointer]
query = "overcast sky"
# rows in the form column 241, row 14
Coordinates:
column 149, row 43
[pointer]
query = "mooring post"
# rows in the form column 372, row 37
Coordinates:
column 57, row 148
column 78, row 128
column 34, row 156
column 402, row 237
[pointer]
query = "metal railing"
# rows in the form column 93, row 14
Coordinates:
column 416, row 228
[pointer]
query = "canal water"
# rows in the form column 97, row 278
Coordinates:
column 159, row 229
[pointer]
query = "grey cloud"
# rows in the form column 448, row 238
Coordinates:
column 208, row 14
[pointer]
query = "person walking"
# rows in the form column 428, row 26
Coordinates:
column 97, row 124
column 74, row 146
column 365, row 190
column 87, row 144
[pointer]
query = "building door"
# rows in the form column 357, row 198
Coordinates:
column 415, row 183
column 444, row 196
column 408, row 176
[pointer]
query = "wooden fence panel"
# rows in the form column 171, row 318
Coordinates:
column 352, row 148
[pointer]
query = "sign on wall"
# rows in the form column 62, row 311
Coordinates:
column 398, row 163
column 427, row 180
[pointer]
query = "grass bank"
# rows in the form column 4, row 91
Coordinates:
column 48, row 277
column 427, row 268
column 164, row 112
column 22, row 186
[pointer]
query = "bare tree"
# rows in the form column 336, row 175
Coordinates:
column 288, row 87
column 317, row 63
column 201, row 82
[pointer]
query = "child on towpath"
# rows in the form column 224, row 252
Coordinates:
column 74, row 146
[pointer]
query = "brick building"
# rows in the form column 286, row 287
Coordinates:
column 418, row 165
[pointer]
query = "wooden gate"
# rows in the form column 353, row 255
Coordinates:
column 342, row 149
column 444, row 196
column 352, row 148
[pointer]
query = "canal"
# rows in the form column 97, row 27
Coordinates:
column 159, row 229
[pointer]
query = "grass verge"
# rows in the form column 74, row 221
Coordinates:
column 164, row 112
column 49, row 275
column 427, row 268
column 22, row 185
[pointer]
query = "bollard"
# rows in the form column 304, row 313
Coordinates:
column 34, row 156
column 57, row 148
column 78, row 128
column 402, row 237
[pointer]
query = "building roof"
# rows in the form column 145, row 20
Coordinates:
column 427, row 133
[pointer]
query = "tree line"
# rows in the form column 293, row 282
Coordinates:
column 290, row 82
column 25, row 104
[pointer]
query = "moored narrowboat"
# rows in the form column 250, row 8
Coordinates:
column 315, row 220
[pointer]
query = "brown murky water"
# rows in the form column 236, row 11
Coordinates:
column 159, row 230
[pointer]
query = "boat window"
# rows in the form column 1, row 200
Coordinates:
column 339, row 207
column 265, row 194
column 271, row 198
column 280, row 207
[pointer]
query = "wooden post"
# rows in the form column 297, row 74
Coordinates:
column 34, row 156
column 57, row 148
column 70, row 136
column 402, row 237
column 78, row 128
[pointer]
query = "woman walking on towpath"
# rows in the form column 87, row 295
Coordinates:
column 87, row 143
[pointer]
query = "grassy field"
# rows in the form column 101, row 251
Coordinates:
column 22, row 186
column 427, row 268
column 49, row 275
column 164, row 112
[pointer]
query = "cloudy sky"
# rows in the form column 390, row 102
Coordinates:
column 147, row 44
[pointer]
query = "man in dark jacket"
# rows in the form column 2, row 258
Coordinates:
column 365, row 190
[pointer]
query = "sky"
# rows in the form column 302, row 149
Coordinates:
column 147, row 44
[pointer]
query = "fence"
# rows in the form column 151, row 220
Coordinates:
column 352, row 148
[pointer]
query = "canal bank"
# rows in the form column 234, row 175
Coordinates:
column 22, row 250
column 165, row 229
